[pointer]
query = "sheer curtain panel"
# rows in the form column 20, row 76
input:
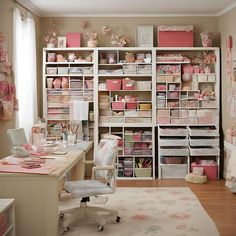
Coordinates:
column 24, row 66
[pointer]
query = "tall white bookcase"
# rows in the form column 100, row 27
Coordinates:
column 137, row 95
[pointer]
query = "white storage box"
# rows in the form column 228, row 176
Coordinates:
column 104, row 119
column 75, row 70
column 173, row 132
column 173, row 142
column 143, row 85
column 203, row 132
column 204, row 142
column 144, row 69
column 117, row 119
column 211, row 77
column 204, row 151
column 145, row 120
column 129, row 68
column 174, row 152
column 63, row 70
column 202, row 78
column 144, row 113
column 174, row 171
column 51, row 71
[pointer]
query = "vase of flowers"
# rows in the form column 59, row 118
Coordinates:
column 51, row 37
column 92, row 39
column 119, row 40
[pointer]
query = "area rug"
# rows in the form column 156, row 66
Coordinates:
column 152, row 212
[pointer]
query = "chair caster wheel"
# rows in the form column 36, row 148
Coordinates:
column 118, row 219
column 61, row 215
column 66, row 229
column 100, row 227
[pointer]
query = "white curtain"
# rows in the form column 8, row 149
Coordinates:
column 24, row 67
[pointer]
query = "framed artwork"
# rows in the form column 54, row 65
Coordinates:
column 144, row 36
column 61, row 42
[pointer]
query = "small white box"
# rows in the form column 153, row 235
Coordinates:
column 51, row 70
column 62, row 70
column 202, row 78
column 143, row 85
column 211, row 78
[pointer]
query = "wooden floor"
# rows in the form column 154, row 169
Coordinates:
column 217, row 200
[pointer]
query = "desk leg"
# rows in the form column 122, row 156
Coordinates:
column 77, row 172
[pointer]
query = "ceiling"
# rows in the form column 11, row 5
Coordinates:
column 50, row 8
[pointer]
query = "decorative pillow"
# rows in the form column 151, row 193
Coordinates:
column 197, row 179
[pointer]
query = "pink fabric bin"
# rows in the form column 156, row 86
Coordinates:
column 118, row 105
column 131, row 105
column 113, row 84
column 175, row 36
column 128, row 84
column 211, row 171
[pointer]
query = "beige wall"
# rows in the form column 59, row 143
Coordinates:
column 127, row 26
column 6, row 26
column 227, row 27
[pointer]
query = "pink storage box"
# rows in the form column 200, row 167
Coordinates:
column 137, row 137
column 211, row 171
column 131, row 105
column 128, row 84
column 73, row 39
column 163, row 120
column 163, row 113
column 118, row 105
column 113, row 84
column 175, row 36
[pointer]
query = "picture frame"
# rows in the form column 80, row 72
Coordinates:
column 144, row 36
column 61, row 42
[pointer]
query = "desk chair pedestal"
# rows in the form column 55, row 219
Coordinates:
column 91, row 212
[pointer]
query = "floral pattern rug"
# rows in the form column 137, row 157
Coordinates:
column 164, row 211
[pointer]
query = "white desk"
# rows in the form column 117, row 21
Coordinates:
column 36, row 196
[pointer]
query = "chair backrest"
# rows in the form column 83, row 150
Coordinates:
column 106, row 156
column 17, row 136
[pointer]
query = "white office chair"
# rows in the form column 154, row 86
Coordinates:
column 18, row 139
column 104, row 169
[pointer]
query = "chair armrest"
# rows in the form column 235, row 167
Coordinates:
column 95, row 168
column 88, row 162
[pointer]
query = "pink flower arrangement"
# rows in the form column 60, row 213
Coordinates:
column 119, row 40
column 51, row 37
column 92, row 36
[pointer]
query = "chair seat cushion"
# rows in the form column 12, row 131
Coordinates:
column 86, row 188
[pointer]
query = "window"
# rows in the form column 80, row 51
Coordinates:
column 24, row 67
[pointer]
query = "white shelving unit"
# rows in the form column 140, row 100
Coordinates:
column 68, row 75
column 125, row 106
column 138, row 89
column 7, row 211
column 189, row 107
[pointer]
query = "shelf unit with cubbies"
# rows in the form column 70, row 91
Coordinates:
column 136, row 159
column 68, row 75
column 187, row 94
column 125, row 95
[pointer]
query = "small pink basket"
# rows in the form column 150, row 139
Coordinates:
column 113, row 84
